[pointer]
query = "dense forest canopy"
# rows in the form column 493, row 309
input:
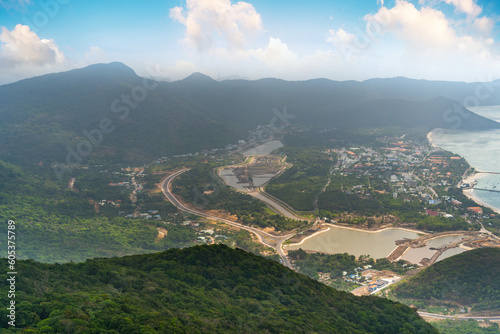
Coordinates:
column 202, row 289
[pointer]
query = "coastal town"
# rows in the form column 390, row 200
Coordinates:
column 418, row 174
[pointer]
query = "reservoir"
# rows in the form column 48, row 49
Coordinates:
column 343, row 240
column 450, row 252
column 415, row 255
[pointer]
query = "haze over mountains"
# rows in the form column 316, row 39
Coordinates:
column 128, row 117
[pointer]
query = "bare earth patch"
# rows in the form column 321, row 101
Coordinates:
column 162, row 233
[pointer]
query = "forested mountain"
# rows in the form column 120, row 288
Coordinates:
column 203, row 289
column 106, row 110
column 470, row 279
column 56, row 224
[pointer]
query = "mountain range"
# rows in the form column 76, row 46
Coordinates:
column 107, row 111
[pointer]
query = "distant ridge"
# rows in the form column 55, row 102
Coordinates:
column 41, row 117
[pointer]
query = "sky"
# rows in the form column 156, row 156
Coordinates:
column 453, row 40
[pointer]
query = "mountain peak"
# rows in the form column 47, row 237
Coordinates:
column 106, row 69
column 198, row 77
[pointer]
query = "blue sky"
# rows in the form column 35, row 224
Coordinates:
column 295, row 40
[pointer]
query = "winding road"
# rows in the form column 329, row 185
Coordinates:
column 273, row 241
column 265, row 238
column 277, row 206
column 455, row 317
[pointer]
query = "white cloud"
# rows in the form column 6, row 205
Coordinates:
column 468, row 7
column 207, row 21
column 484, row 25
column 275, row 54
column 421, row 41
column 95, row 53
column 179, row 70
column 426, row 27
column 340, row 36
column 22, row 47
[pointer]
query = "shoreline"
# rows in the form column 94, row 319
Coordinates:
column 358, row 230
column 429, row 138
column 379, row 230
column 310, row 236
column 469, row 193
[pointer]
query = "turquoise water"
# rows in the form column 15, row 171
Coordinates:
column 481, row 149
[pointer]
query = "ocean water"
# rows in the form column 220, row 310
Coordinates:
column 481, row 149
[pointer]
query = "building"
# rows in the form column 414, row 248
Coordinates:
column 475, row 209
column 431, row 212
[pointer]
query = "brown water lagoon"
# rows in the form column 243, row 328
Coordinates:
column 377, row 244
column 415, row 255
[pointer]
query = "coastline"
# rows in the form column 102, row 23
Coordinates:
column 429, row 138
column 469, row 193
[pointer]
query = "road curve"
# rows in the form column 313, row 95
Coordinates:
column 440, row 316
column 265, row 238
column 266, row 198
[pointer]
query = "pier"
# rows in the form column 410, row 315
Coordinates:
column 483, row 189
column 477, row 171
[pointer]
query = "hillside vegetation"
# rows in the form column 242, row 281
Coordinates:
column 203, row 289
column 470, row 279
column 299, row 185
column 200, row 187
column 55, row 224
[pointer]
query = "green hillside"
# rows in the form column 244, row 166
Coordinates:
column 469, row 279
column 203, row 289
column 103, row 111
column 55, row 224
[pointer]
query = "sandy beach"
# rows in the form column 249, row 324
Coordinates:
column 429, row 138
column 470, row 195
column 475, row 176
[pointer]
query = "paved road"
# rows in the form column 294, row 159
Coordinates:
column 483, row 230
column 439, row 316
column 280, row 208
column 267, row 239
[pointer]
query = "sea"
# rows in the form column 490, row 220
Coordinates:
column 481, row 149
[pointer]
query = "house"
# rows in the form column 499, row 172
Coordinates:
column 475, row 209
column 431, row 212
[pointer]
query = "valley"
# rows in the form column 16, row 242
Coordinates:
column 361, row 209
